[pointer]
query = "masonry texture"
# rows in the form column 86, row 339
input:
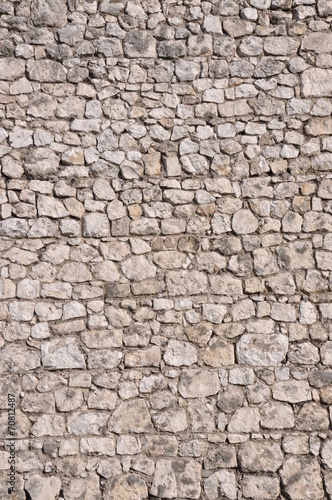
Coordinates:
column 166, row 248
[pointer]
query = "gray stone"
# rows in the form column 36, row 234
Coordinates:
column 198, row 383
column 177, row 478
column 262, row 350
column 59, row 354
column 260, row 456
column 301, row 479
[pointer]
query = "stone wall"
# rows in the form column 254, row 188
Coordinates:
column 166, row 248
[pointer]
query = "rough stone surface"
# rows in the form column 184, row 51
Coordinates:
column 166, row 248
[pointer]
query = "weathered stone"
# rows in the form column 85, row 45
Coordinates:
column 43, row 488
column 186, row 282
column 294, row 391
column 139, row 44
column 180, row 353
column 260, row 487
column 59, row 354
column 301, row 478
column 46, row 71
column 177, row 478
column 219, row 483
column 316, row 82
column 260, row 456
column 131, row 416
column 127, row 487
column 197, row 383
column 262, row 350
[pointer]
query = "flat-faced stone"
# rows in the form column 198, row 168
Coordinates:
column 198, row 383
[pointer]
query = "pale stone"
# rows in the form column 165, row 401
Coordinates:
column 262, row 350
column 222, row 482
column 291, row 391
column 260, row 487
column 126, row 487
column 260, row 456
column 43, row 488
column 301, row 478
column 180, row 353
column 131, row 416
column 316, row 82
column 244, row 222
column 198, row 383
column 277, row 416
column 60, row 354
column 177, row 478
column 138, row 268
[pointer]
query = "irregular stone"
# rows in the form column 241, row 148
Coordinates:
column 126, row 487
column 276, row 416
column 138, row 268
column 244, row 222
column 139, row 44
column 301, row 479
column 316, row 82
column 222, row 483
column 291, row 391
column 177, row 478
column 131, row 416
column 51, row 13
column 60, row 354
column 198, row 383
column 43, row 488
column 180, row 353
column 260, row 487
column 262, row 350
column 186, row 282
column 11, row 68
column 260, row 456
column 46, row 71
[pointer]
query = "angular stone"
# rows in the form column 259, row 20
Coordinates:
column 43, row 488
column 96, row 226
column 49, row 425
column 87, row 422
column 41, row 163
column 50, row 207
column 301, row 479
column 244, row 420
column 16, row 358
column 317, row 42
column 11, row 68
column 180, row 353
column 312, row 417
column 223, row 483
column 60, row 354
column 260, row 456
column 186, row 282
column 316, row 82
column 138, row 268
column 131, row 417
column 198, row 383
column 139, row 44
column 280, row 45
column 234, row 108
column 283, row 312
column 260, row 487
column 276, row 416
column 51, row 13
column 126, row 487
column 244, row 222
column 292, row 391
column 218, row 353
column 179, row 478
column 262, row 350
column 46, row 71
column 171, row 420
